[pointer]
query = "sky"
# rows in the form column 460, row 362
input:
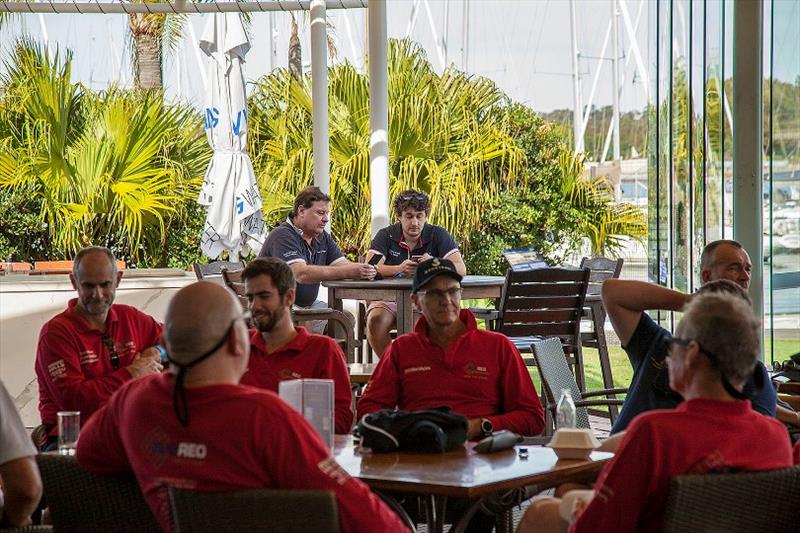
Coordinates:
column 522, row 45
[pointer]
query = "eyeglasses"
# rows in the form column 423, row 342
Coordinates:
column 730, row 389
column 436, row 294
column 408, row 197
column 112, row 351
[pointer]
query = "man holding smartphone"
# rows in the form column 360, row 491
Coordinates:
column 397, row 249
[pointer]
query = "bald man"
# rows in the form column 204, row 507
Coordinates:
column 195, row 426
column 88, row 351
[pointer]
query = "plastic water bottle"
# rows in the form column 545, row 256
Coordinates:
column 565, row 412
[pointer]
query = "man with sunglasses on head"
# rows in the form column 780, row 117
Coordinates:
column 302, row 242
column 645, row 341
column 401, row 247
column 195, row 427
column 712, row 354
column 89, row 350
column 279, row 350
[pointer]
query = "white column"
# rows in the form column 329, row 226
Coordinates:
column 576, row 82
column 378, row 116
column 615, row 77
column 747, row 172
column 319, row 95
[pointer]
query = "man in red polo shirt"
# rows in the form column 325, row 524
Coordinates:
column 447, row 360
column 195, row 427
column 86, row 352
column 279, row 349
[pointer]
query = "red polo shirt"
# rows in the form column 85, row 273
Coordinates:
column 237, row 438
column 73, row 365
column 481, row 375
column 306, row 356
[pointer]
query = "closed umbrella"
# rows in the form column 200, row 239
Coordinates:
column 234, row 220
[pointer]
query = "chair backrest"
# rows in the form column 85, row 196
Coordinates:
column 62, row 267
column 556, row 376
column 84, row 501
column 287, row 511
column 547, row 302
column 741, row 502
column 214, row 269
column 602, row 269
column 233, row 280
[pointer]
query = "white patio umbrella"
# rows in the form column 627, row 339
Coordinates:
column 234, row 220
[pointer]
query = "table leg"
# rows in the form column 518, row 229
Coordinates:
column 334, row 302
column 397, row 508
column 405, row 312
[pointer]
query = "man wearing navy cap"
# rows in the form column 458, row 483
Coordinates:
column 447, row 360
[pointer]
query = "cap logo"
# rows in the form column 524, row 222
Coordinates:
column 435, row 262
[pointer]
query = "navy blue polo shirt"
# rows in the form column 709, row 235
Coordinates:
column 434, row 241
column 286, row 242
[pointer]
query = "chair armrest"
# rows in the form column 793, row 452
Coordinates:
column 607, row 401
column 603, row 392
column 485, row 313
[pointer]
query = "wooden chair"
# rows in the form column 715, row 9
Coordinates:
column 284, row 511
column 233, row 280
column 83, row 501
column 602, row 269
column 556, row 376
column 742, row 502
column 547, row 302
column 213, row 271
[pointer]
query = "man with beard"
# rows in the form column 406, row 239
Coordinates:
column 279, row 350
column 89, row 350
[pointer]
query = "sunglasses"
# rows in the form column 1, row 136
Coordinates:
column 112, row 351
column 409, row 197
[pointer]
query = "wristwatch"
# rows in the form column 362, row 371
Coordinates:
column 486, row 427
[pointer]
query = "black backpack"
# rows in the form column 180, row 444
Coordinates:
column 430, row 430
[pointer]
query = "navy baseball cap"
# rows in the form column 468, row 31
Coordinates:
column 427, row 270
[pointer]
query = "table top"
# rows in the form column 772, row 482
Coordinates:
column 463, row 472
column 405, row 283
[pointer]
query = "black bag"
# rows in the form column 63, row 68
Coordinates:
column 430, row 430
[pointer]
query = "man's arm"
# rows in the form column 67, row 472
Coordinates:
column 297, row 459
column 626, row 300
column 458, row 262
column 342, row 269
column 100, row 447
column 22, row 490
column 383, row 388
column 522, row 411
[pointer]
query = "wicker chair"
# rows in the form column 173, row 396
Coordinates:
column 233, row 280
column 88, row 502
column 556, row 376
column 743, row 502
column 284, row 511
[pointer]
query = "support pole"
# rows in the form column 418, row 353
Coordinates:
column 615, row 76
column 378, row 116
column 465, row 36
column 747, row 173
column 576, row 82
column 273, row 49
column 319, row 96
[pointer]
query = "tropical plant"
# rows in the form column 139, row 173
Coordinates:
column 449, row 135
column 114, row 167
column 606, row 223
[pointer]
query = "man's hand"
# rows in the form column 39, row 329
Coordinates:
column 474, row 428
column 408, row 267
column 611, row 443
column 146, row 362
column 360, row 271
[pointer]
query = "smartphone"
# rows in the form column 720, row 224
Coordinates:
column 375, row 259
column 417, row 258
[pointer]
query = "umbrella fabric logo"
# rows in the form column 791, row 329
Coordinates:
column 237, row 126
column 212, row 118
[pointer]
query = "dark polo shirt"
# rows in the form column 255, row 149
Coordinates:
column 434, row 241
column 286, row 242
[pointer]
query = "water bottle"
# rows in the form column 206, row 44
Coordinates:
column 565, row 412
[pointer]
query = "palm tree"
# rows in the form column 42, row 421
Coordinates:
column 112, row 167
column 449, row 136
column 606, row 223
column 151, row 34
